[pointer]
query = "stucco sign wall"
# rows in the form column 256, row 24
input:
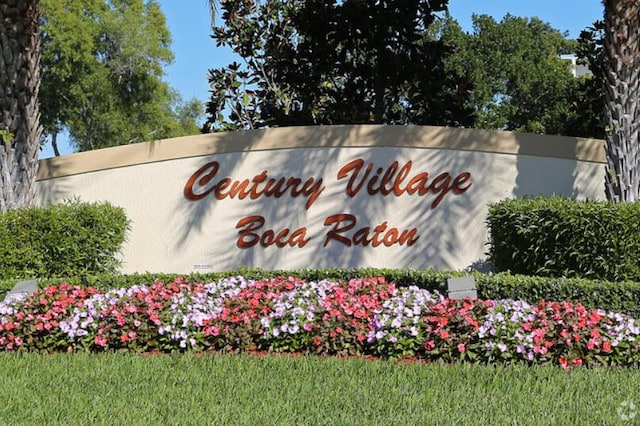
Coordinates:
column 307, row 197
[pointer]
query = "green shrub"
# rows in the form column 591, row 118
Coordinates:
column 558, row 237
column 621, row 297
column 61, row 240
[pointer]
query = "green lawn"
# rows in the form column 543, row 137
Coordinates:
column 125, row 389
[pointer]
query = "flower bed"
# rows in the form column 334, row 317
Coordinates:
column 358, row 317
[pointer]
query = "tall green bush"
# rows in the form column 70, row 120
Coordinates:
column 61, row 240
column 559, row 237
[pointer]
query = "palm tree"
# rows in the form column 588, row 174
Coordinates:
column 20, row 128
column 622, row 94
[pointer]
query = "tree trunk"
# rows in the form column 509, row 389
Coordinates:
column 622, row 84
column 19, row 112
column 54, row 144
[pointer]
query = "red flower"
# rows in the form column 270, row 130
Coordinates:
column 51, row 290
column 594, row 317
column 472, row 322
column 563, row 362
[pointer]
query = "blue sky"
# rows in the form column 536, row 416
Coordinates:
column 195, row 52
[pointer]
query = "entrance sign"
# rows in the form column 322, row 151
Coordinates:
column 311, row 197
column 392, row 180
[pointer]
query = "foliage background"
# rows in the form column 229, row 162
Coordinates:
column 102, row 74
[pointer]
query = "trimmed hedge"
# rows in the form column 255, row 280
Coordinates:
column 559, row 237
column 61, row 240
column 622, row 297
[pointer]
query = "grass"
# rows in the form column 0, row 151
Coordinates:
column 249, row 390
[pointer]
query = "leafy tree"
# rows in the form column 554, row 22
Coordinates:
column 359, row 62
column 333, row 62
column 19, row 111
column 516, row 77
column 621, row 70
column 102, row 70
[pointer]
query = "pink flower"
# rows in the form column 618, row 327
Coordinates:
column 100, row 341
column 540, row 350
column 461, row 347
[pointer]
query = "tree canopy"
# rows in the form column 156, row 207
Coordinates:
column 363, row 62
column 102, row 69
column 311, row 62
column 516, row 76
